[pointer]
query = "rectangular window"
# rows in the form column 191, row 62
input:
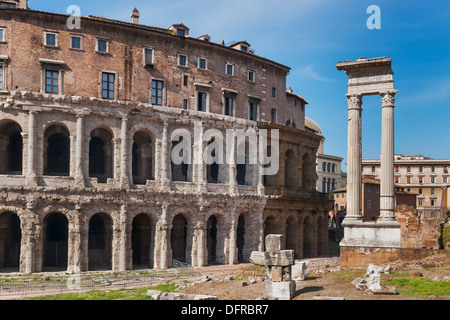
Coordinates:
column 182, row 60
column 1, row 78
column 50, row 39
column 377, row 189
column 2, row 35
column 433, row 191
column 201, row 103
column 202, row 63
column 433, row 179
column 51, row 81
column 181, row 32
column 432, row 203
column 108, row 83
column 420, row 180
column 396, row 180
column 324, row 167
column 369, row 188
column 185, row 81
column 148, row 56
column 420, row 203
column 75, row 43
column 229, row 104
column 229, row 69
column 420, row 168
column 420, row 191
column 409, row 180
column 185, row 104
column 274, row 115
column 396, row 168
column 251, row 76
column 157, row 92
column 253, row 111
column 408, row 169
column 274, row 93
column 445, row 179
column 433, row 169
column 102, row 45
column 369, row 204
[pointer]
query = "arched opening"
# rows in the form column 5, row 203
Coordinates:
column 180, row 172
column 100, row 242
column 10, row 238
column 290, row 174
column 140, row 240
column 179, row 238
column 101, row 154
column 11, row 149
column 308, row 237
column 240, row 238
column 291, row 234
column 212, row 170
column 142, row 162
column 322, row 236
column 307, row 172
column 212, row 239
column 56, row 231
column 56, row 151
column 270, row 227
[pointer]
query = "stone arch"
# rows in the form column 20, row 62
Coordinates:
column 55, row 240
column 291, row 233
column 100, row 241
column 143, row 157
column 308, row 237
column 290, row 170
column 141, row 240
column 56, row 150
column 182, row 172
column 11, row 148
column 307, row 171
column 179, row 238
column 246, row 169
column 248, row 233
column 10, row 240
column 271, row 226
column 101, row 154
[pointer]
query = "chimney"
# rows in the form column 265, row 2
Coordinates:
column 23, row 4
column 135, row 16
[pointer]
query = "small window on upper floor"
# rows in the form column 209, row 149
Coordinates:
column 102, row 45
column 202, row 63
column 148, row 56
column 2, row 34
column 244, row 48
column 251, row 76
column 181, row 32
column 75, row 42
column 51, row 39
column 2, row 78
column 108, row 85
column 229, row 69
column 274, row 115
column 274, row 93
column 182, row 60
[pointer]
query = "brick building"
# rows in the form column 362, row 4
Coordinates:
column 88, row 122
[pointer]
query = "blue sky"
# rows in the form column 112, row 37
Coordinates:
column 311, row 36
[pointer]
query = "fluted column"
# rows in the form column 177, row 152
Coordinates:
column 124, row 172
column 79, row 172
column 31, row 161
column 387, row 201
column 354, row 159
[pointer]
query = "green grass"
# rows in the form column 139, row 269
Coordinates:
column 125, row 294
column 421, row 286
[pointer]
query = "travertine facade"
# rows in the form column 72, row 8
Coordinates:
column 87, row 118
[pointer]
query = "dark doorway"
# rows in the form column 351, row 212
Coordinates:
column 100, row 242
column 57, row 145
column 140, row 240
column 240, row 238
column 11, row 149
column 10, row 238
column 212, row 239
column 178, row 238
column 56, row 241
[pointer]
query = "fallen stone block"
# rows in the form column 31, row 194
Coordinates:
column 328, row 298
column 284, row 290
column 155, row 294
column 202, row 297
column 229, row 278
column 382, row 290
column 172, row 296
column 300, row 270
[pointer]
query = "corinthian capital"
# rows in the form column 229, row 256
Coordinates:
column 388, row 98
column 354, row 101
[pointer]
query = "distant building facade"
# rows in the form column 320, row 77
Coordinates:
column 423, row 176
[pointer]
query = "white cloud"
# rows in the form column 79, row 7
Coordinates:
column 310, row 71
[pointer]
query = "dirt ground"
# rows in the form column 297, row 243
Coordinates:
column 325, row 282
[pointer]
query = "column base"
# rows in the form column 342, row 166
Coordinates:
column 380, row 234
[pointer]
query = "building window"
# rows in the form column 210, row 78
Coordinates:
column 373, row 169
column 51, row 81
column 185, row 81
column 148, row 56
column 202, row 63
column 274, row 93
column 420, row 180
column 420, row 169
column 75, row 42
column 201, row 101
column 445, row 180
column 396, row 179
column 229, row 104
column 102, row 45
column 377, row 189
column 432, row 203
column 420, row 191
column 251, row 76
column 433, row 179
column 108, row 84
column 181, row 32
column 157, row 92
column 420, row 203
column 51, row 39
column 253, row 111
column 274, row 115
column 324, row 166
column 409, row 180
column 2, row 34
column 396, row 168
column 333, row 168
column 182, row 60
column 408, row 169
column 1, row 79
column 329, row 167
column 433, row 169
column 369, row 204
column 433, row 191
column 229, row 70
column 369, row 188
column 185, row 104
